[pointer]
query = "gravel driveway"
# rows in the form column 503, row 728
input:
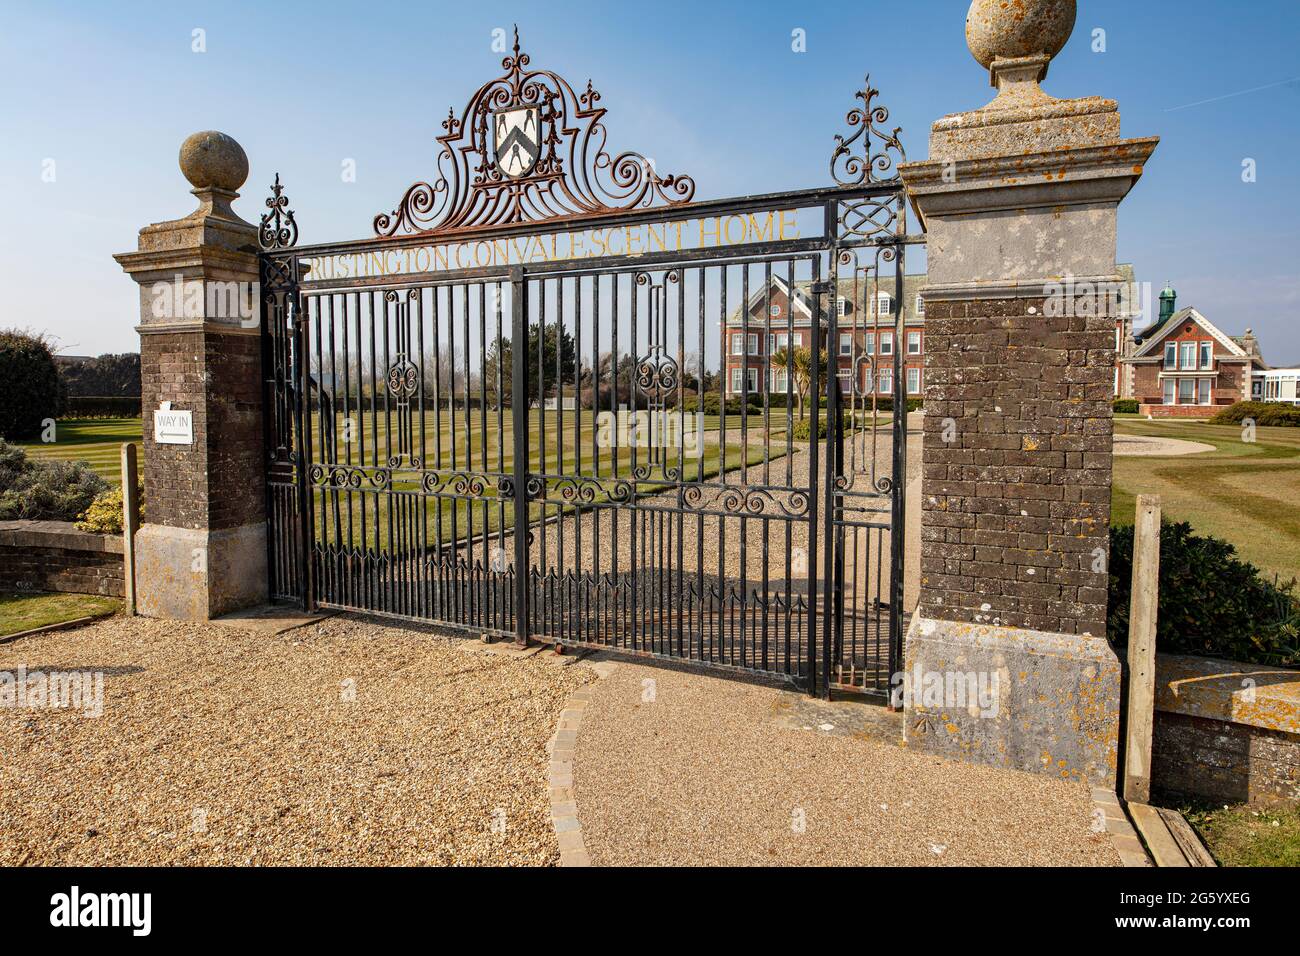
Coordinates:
column 217, row 745
column 675, row 767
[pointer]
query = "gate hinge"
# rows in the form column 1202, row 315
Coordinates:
column 823, row 287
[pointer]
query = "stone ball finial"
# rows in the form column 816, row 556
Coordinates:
column 213, row 160
column 1018, row 28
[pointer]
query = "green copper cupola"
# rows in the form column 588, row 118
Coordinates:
column 1167, row 299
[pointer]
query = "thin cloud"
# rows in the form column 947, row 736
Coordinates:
column 1228, row 96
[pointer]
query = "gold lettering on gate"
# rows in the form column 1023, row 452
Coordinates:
column 594, row 243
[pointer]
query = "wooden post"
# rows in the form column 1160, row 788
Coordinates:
column 1144, row 601
column 130, row 521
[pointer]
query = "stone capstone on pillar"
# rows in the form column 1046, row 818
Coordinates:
column 202, row 549
column 1019, row 200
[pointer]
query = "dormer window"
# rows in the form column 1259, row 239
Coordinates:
column 884, row 304
column 842, row 304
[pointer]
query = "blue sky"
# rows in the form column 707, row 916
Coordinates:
column 110, row 91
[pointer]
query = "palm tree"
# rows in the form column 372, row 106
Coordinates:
column 799, row 363
column 782, row 360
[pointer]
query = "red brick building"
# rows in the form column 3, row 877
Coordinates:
column 1185, row 367
column 865, row 344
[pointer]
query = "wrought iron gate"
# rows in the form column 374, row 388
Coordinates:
column 557, row 398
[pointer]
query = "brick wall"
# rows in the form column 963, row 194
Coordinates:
column 55, row 556
column 1178, row 411
column 1017, row 503
column 228, row 441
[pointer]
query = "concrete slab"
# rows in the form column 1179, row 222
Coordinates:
column 270, row 619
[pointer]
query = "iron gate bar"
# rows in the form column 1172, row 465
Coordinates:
column 790, row 200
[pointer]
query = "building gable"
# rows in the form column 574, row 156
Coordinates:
column 1152, row 346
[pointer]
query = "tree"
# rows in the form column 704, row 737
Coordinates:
column 542, row 347
column 105, row 375
column 798, row 363
column 30, row 388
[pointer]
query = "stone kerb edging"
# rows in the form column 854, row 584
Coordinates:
column 564, row 808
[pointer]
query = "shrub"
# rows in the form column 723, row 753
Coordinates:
column 30, row 388
column 102, row 406
column 1264, row 413
column 803, row 428
column 1210, row 603
column 44, row 490
column 105, row 514
column 1125, row 406
column 885, row 403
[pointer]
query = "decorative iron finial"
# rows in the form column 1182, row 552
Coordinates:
column 277, row 229
column 528, row 148
column 879, row 153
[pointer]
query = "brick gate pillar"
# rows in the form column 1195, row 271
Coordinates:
column 201, row 551
column 1019, row 199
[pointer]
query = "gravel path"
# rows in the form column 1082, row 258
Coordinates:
column 1152, row 445
column 714, row 771
column 221, row 746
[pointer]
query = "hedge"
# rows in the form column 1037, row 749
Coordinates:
column 102, row 406
column 1211, row 603
column 1263, row 413
column 712, row 403
column 1125, row 406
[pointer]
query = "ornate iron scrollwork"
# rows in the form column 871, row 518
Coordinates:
column 403, row 378
column 277, row 228
column 879, row 154
column 869, row 156
column 561, row 168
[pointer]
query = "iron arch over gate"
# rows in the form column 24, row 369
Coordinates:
column 557, row 398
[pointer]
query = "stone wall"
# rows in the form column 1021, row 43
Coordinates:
column 55, row 556
column 1226, row 732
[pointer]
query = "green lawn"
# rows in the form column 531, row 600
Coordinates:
column 22, row 611
column 1246, row 836
column 96, row 440
column 1243, row 492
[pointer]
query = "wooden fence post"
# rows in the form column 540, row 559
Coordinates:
column 1143, row 604
column 130, row 522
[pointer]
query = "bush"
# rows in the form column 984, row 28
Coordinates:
column 1124, row 406
column 1264, row 413
column 1211, row 603
column 44, row 490
column 803, row 428
column 102, row 406
column 30, row 388
column 105, row 514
